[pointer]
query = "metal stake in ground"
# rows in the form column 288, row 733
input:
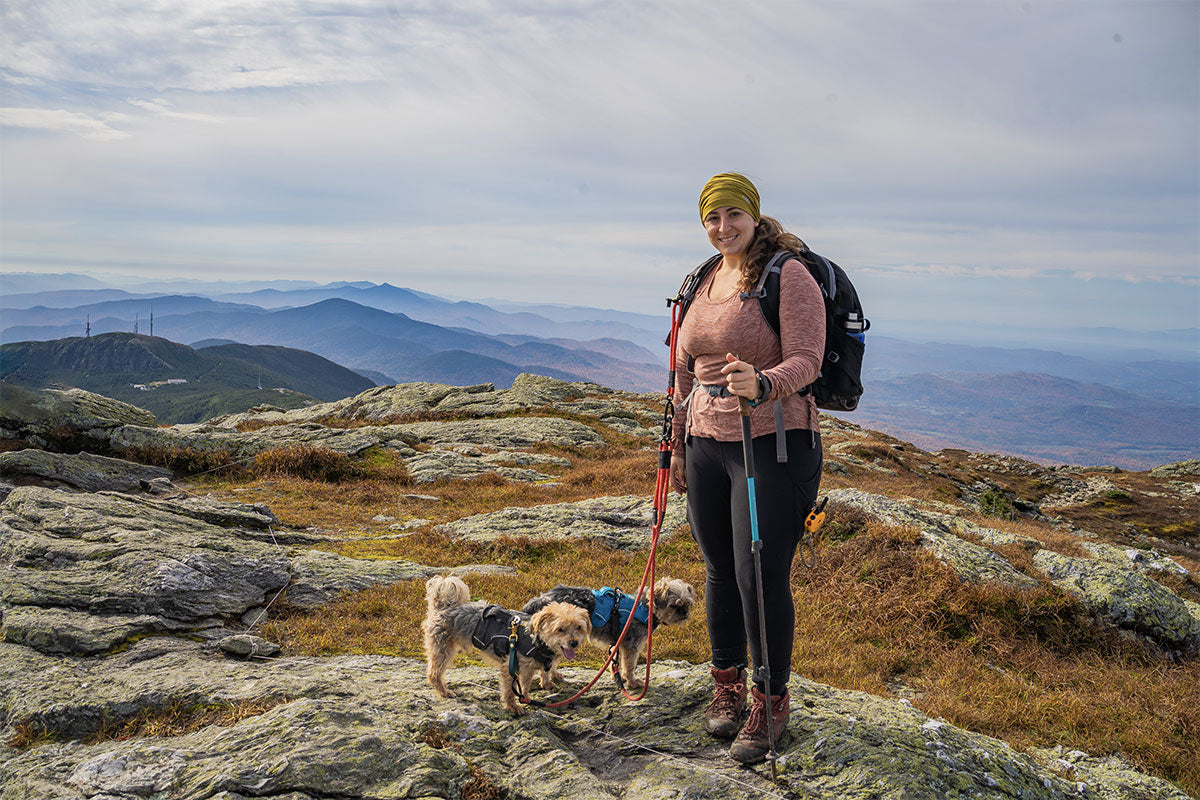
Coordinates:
column 763, row 672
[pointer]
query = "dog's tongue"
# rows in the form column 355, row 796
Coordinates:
column 568, row 653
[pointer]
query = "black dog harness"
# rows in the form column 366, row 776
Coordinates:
column 493, row 632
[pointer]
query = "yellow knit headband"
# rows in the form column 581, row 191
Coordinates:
column 729, row 189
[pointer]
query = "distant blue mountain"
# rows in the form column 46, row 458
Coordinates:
column 574, row 323
column 127, row 309
column 67, row 298
column 1169, row 381
column 24, row 282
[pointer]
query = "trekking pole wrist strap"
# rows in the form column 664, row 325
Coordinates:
column 764, row 388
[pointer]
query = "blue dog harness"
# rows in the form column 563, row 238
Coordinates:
column 613, row 608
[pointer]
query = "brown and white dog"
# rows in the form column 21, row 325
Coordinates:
column 454, row 624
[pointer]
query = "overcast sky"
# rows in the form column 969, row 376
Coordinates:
column 1027, row 163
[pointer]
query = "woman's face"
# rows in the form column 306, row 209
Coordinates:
column 731, row 230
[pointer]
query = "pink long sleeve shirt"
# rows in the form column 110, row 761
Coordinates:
column 791, row 361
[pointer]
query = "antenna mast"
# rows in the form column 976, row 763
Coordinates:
column 136, row 319
column 151, row 320
column 87, row 331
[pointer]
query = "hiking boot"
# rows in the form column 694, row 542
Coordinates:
column 751, row 745
column 724, row 713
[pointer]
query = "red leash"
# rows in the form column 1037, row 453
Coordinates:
column 662, row 487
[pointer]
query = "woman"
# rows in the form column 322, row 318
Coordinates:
column 732, row 353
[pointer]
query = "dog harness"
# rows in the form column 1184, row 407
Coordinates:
column 613, row 607
column 493, row 629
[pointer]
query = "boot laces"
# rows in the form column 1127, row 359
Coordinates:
column 725, row 697
column 757, row 721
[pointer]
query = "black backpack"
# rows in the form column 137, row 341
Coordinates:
column 839, row 384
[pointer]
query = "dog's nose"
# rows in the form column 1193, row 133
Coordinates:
column 574, row 643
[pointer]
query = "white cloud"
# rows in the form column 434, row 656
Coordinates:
column 62, row 121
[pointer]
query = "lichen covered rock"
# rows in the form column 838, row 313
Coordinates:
column 71, row 417
column 111, row 554
column 83, row 471
column 939, row 535
column 622, row 522
column 243, row 445
column 360, row 726
column 1126, row 598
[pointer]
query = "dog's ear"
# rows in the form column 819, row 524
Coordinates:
column 539, row 621
column 662, row 591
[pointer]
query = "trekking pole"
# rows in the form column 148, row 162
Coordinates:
column 764, row 668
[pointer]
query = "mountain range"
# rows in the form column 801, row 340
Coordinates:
column 1038, row 402
column 178, row 383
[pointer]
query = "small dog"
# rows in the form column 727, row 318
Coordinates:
column 453, row 624
column 673, row 600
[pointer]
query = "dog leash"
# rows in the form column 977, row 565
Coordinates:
column 662, row 487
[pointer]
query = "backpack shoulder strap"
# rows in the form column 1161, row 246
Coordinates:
column 822, row 271
column 687, row 291
column 767, row 288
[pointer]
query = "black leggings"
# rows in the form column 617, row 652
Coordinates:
column 719, row 515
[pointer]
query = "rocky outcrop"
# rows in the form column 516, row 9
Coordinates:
column 110, row 555
column 205, row 437
column 369, row 727
column 1178, row 469
column 66, row 419
column 1148, row 560
column 1126, row 598
column 513, row 433
column 84, row 471
column 86, row 572
column 468, row 461
column 432, row 451
column 939, row 535
column 385, row 404
column 621, row 522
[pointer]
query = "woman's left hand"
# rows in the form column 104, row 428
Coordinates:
column 741, row 378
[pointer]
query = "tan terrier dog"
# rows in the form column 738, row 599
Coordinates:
column 609, row 609
column 454, row 624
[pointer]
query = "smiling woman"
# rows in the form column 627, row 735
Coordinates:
column 709, row 463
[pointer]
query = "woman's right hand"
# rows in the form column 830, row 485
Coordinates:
column 678, row 474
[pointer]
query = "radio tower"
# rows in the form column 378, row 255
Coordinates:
column 87, row 331
column 151, row 320
column 136, row 320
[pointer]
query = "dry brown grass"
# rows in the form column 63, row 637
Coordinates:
column 1029, row 667
column 189, row 460
column 250, row 425
column 176, row 719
